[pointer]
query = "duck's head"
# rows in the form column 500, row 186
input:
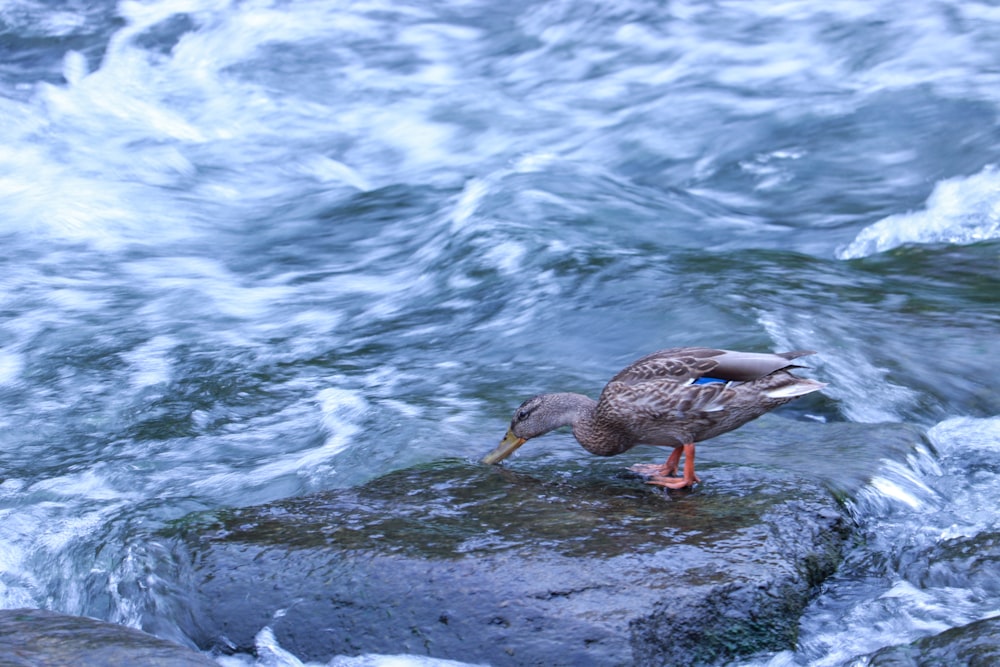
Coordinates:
column 536, row 416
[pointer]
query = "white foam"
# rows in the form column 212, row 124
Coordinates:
column 473, row 193
column 150, row 362
column 37, row 560
column 11, row 365
column 218, row 288
column 907, row 511
column 327, row 169
column 261, row 469
column 967, row 433
column 900, row 484
column 507, row 256
column 270, row 653
column 379, row 660
column 960, row 210
column 74, row 67
column 342, row 410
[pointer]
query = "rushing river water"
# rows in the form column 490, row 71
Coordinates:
column 255, row 249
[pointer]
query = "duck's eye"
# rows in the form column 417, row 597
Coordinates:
column 522, row 415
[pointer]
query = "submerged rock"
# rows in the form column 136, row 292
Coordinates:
column 484, row 564
column 968, row 562
column 975, row 645
column 37, row 638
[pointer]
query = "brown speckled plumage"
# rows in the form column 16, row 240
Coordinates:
column 654, row 401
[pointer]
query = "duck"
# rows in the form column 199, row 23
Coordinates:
column 674, row 398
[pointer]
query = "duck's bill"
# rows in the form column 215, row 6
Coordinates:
column 506, row 447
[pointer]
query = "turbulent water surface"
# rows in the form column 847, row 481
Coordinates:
column 255, row 249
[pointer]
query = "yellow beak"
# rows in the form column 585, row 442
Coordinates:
column 506, row 447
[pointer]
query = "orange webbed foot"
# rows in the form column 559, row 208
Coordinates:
column 673, row 482
column 653, row 469
column 666, row 469
column 661, row 475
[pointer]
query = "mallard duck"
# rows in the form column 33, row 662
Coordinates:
column 671, row 398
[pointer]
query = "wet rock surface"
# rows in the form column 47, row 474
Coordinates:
column 960, row 562
column 974, row 645
column 39, row 638
column 559, row 565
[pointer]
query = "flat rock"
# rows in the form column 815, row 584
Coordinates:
column 559, row 565
column 39, row 638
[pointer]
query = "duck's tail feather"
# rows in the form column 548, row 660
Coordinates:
column 800, row 387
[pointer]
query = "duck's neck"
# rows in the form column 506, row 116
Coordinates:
column 576, row 411
column 569, row 409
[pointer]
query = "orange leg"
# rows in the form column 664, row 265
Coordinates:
column 662, row 470
column 670, row 467
column 689, row 477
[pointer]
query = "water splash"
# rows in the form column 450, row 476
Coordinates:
column 960, row 210
column 270, row 653
column 898, row 484
column 900, row 586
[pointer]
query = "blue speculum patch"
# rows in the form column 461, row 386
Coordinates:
column 706, row 380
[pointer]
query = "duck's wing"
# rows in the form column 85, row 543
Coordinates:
column 662, row 412
column 677, row 364
column 658, row 400
column 684, row 364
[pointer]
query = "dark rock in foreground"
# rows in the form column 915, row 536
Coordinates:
column 488, row 565
column 39, row 638
column 974, row 645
